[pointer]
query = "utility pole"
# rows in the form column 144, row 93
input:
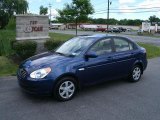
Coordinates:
column 50, row 6
column 108, row 14
column 76, row 26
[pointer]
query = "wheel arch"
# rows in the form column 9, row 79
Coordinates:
column 139, row 63
column 68, row 75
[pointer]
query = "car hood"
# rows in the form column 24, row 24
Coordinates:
column 45, row 59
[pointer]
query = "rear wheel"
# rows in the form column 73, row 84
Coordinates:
column 136, row 73
column 65, row 89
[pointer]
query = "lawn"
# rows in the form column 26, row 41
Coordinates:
column 60, row 37
column 9, row 68
column 152, row 51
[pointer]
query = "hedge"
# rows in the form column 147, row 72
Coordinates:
column 52, row 44
column 25, row 49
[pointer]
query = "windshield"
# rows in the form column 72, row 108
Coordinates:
column 75, row 46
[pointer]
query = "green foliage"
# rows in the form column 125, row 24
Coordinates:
column 9, row 7
column 7, row 67
column 154, row 19
column 56, row 40
column 4, row 18
column 111, row 21
column 43, row 10
column 135, row 22
column 11, row 24
column 152, row 50
column 25, row 49
column 6, row 38
column 52, row 44
column 77, row 10
column 17, row 6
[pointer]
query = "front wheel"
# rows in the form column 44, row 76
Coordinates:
column 136, row 74
column 65, row 89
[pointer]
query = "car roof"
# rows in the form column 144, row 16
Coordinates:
column 97, row 36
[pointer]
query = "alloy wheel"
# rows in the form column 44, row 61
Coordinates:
column 66, row 89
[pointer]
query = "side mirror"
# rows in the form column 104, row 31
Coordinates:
column 91, row 55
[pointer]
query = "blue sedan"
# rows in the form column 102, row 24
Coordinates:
column 82, row 61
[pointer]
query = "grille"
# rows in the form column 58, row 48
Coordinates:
column 22, row 73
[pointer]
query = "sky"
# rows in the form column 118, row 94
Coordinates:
column 119, row 9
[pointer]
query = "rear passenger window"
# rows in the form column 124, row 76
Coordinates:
column 122, row 45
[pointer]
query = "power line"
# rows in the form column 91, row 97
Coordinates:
column 130, row 9
column 129, row 12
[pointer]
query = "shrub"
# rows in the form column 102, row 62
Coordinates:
column 6, row 37
column 11, row 24
column 25, row 49
column 52, row 44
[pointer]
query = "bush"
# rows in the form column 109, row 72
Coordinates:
column 6, row 38
column 11, row 24
column 25, row 49
column 52, row 44
column 4, row 18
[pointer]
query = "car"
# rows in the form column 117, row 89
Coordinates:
column 116, row 30
column 109, row 30
column 122, row 29
column 82, row 61
column 129, row 29
column 100, row 29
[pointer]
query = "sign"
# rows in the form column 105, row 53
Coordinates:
column 31, row 27
column 146, row 26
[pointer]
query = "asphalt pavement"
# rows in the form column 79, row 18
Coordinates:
column 114, row 100
column 130, row 35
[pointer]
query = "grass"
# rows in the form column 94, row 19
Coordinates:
column 7, row 67
column 6, row 36
column 152, row 50
column 60, row 37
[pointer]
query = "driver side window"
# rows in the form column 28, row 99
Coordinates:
column 102, row 47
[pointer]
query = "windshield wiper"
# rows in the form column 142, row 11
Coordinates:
column 67, row 55
column 60, row 53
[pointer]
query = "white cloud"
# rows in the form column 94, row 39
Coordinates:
column 126, row 1
column 149, row 4
column 154, row 4
column 58, row 0
column 124, row 6
column 125, row 9
column 54, row 12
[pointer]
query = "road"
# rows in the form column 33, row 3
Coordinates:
column 144, row 39
column 114, row 100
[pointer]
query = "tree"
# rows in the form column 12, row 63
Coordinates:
column 10, row 7
column 4, row 18
column 154, row 19
column 43, row 10
column 14, row 6
column 77, row 11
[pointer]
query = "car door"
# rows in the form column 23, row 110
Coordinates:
column 102, row 67
column 123, row 56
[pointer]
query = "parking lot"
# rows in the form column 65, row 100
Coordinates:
column 114, row 100
column 132, row 35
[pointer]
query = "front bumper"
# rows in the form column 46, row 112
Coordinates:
column 38, row 87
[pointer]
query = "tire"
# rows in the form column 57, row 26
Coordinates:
column 65, row 89
column 136, row 73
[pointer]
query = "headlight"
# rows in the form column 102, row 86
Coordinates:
column 41, row 73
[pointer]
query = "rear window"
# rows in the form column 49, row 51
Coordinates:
column 122, row 45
